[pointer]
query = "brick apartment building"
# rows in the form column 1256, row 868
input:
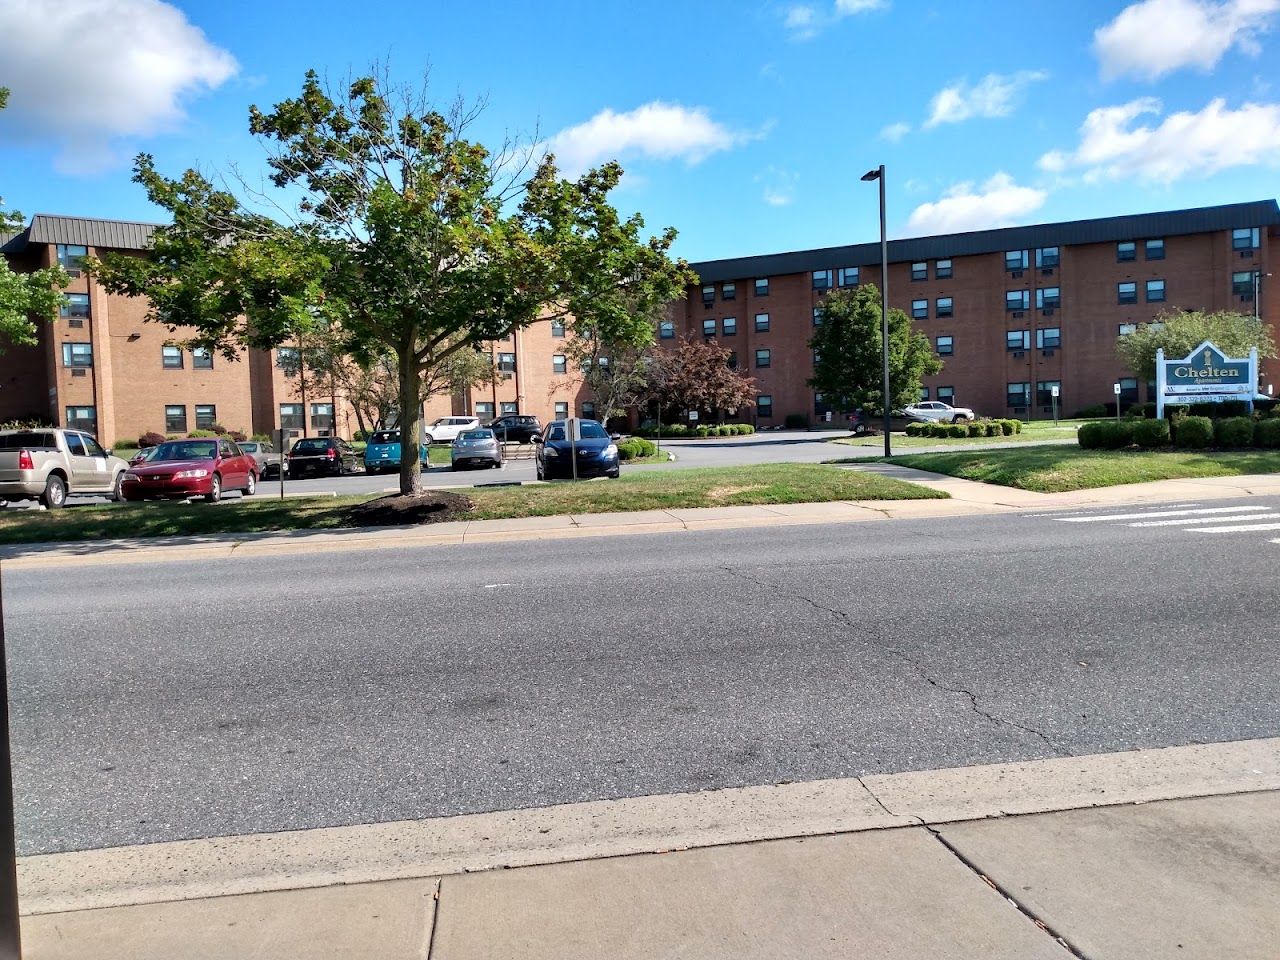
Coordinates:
column 1011, row 312
column 101, row 367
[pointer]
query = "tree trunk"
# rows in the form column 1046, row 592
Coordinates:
column 410, row 420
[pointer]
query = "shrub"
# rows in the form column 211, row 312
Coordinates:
column 1145, row 410
column 636, row 448
column 1193, row 433
column 993, row 428
column 1097, row 410
column 217, row 429
column 915, row 429
column 1017, row 425
column 123, row 445
column 795, row 421
column 1266, row 433
column 238, row 436
column 745, row 429
column 150, row 439
column 1007, row 427
column 975, row 429
column 201, row 433
column 1233, row 432
column 957, row 430
column 1151, row 433
column 702, row 430
column 261, row 437
column 1089, row 436
column 1116, row 435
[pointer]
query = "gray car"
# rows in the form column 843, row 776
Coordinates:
column 476, row 448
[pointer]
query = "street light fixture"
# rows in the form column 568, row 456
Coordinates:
column 878, row 174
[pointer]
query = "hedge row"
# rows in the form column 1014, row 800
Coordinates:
column 1214, row 411
column 636, row 448
column 672, row 430
column 1184, row 433
column 974, row 428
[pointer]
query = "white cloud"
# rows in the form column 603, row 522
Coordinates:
column 804, row 21
column 664, row 131
column 1114, row 143
column 88, row 73
column 999, row 202
column 846, row 8
column 779, row 186
column 1155, row 37
column 801, row 22
column 995, row 95
column 894, row 132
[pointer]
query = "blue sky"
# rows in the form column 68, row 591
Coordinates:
column 745, row 125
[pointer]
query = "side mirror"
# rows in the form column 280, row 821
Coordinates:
column 536, row 438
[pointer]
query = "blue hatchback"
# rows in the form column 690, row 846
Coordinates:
column 382, row 453
column 596, row 453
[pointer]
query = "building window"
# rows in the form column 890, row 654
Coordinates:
column 1246, row 238
column 732, row 360
column 708, row 328
column 508, row 407
column 287, row 357
column 820, row 407
column 1017, row 340
column 920, row 309
column 943, row 306
column 667, row 330
column 947, row 395
column 71, row 257
column 1128, row 391
column 1018, row 395
column 74, row 305
column 201, row 359
column 559, row 364
column 946, row 346
column 848, row 276
column 764, row 405
column 822, row 279
column 1155, row 249
column 1044, row 392
column 1047, row 257
column 484, row 410
column 763, row 358
column 321, row 416
column 1127, row 292
column 1126, row 250
column 557, row 329
column 171, row 358
column 729, row 291
column 506, row 363
column 1017, row 299
column 920, row 271
column 1048, row 297
column 1048, row 338
column 1155, row 291
column 206, row 415
column 588, row 410
column 290, row 416
column 924, row 394
column 175, row 419
column 562, row 410
column 762, row 287
column 1127, row 328
column 1242, row 284
column 82, row 418
column 709, row 294
column 1015, row 260
column 77, row 355
column 942, row 270
column 762, row 323
column 729, row 326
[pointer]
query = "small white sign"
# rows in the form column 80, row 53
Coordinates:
column 693, row 414
column 1055, row 391
column 1115, row 388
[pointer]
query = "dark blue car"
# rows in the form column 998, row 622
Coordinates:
column 596, row 453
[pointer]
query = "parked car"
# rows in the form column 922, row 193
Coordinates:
column 191, row 468
column 940, row 412
column 446, row 429
column 860, row 421
column 142, row 456
column 264, row 455
column 476, row 448
column 382, row 452
column 321, row 457
column 50, row 465
column 597, row 455
column 515, row 427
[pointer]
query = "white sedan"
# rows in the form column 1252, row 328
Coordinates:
column 940, row 412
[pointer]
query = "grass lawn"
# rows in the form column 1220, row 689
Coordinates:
column 1032, row 430
column 1059, row 469
column 647, row 490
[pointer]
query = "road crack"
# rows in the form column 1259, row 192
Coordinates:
column 876, row 638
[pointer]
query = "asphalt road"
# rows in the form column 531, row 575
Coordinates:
column 155, row 701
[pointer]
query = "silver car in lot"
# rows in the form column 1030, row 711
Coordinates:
column 939, row 412
column 478, row 447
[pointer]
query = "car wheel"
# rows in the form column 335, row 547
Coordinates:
column 615, row 475
column 251, row 485
column 859, row 429
column 55, row 492
column 215, row 489
column 959, row 418
column 117, row 488
column 428, row 439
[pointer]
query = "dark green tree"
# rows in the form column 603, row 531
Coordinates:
column 410, row 238
column 848, row 367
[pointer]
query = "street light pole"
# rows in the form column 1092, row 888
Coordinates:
column 1257, row 290
column 878, row 174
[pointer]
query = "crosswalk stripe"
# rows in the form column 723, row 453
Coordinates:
column 1155, row 513
column 1242, row 528
column 1183, row 521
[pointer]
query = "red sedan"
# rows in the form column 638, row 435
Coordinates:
column 191, row 468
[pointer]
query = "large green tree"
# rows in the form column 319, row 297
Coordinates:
column 848, row 366
column 25, row 298
column 409, row 237
column 1181, row 331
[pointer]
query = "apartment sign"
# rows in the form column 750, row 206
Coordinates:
column 1206, row 375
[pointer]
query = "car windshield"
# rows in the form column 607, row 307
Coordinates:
column 311, row 446
column 185, row 450
column 249, row 447
column 590, row 431
column 385, row 436
column 476, row 435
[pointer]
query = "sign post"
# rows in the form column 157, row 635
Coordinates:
column 280, row 468
column 10, row 931
column 1053, row 398
column 1115, row 387
column 573, row 426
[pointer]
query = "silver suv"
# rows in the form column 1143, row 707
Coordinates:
column 446, row 429
column 940, row 412
column 50, row 465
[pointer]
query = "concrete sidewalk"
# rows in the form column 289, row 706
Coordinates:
column 965, row 498
column 1147, row 854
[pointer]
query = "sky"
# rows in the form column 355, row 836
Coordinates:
column 745, row 125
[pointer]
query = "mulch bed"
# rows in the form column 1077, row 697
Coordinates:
column 430, row 506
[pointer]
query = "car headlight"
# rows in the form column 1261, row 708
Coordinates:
column 129, row 477
column 610, row 451
column 190, row 474
column 550, row 452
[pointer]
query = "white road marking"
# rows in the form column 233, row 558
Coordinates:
column 494, row 586
column 1156, row 513
column 1235, row 518
column 1242, row 528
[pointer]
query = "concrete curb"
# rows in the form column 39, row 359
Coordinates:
column 193, row 869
